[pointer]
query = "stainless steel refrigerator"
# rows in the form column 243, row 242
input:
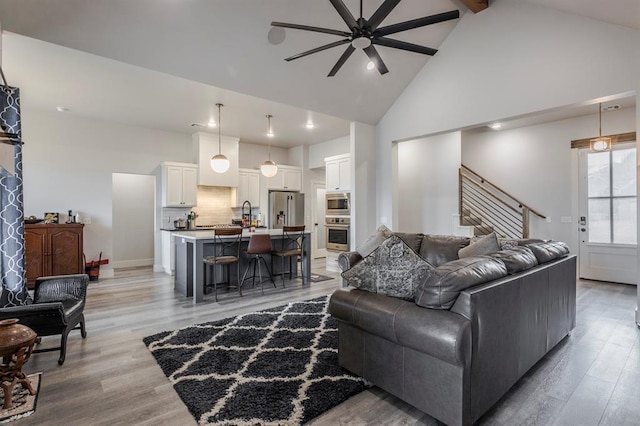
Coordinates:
column 285, row 209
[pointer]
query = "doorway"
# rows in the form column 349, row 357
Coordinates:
column 607, row 224
column 133, row 220
column 318, row 236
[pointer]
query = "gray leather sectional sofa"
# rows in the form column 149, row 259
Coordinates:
column 456, row 363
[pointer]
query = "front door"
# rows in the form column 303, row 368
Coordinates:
column 607, row 221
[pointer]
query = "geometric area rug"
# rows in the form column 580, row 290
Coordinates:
column 24, row 404
column 278, row 366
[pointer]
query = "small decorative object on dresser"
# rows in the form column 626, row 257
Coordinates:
column 50, row 217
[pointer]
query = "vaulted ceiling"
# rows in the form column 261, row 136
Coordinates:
column 219, row 51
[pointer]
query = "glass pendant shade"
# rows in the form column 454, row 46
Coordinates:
column 269, row 168
column 601, row 143
column 220, row 163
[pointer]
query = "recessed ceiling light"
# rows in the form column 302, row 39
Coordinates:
column 495, row 126
column 62, row 109
column 370, row 65
column 310, row 125
column 211, row 123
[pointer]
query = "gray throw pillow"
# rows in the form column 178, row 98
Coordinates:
column 441, row 289
column 484, row 245
column 393, row 269
column 440, row 249
column 374, row 241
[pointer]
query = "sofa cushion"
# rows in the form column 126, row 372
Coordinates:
column 516, row 259
column 412, row 239
column 440, row 249
column 483, row 245
column 441, row 289
column 547, row 251
column 393, row 269
column 374, row 241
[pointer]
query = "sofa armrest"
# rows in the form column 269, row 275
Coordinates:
column 60, row 288
column 346, row 260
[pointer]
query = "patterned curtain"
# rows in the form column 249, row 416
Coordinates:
column 12, row 272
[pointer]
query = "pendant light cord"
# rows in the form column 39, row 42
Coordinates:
column 219, row 126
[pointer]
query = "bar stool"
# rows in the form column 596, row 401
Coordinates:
column 226, row 251
column 292, row 244
column 259, row 245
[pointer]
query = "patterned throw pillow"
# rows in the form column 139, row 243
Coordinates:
column 393, row 269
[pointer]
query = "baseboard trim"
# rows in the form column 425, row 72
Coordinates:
column 132, row 263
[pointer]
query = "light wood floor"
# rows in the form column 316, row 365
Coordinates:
column 592, row 377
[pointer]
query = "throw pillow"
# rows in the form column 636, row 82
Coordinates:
column 374, row 241
column 441, row 289
column 484, row 245
column 412, row 239
column 516, row 259
column 393, row 269
column 440, row 249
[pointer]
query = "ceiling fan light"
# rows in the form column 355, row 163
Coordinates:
column 370, row 65
column 361, row 42
column 269, row 168
column 220, row 163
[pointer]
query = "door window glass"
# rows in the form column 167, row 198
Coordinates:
column 611, row 182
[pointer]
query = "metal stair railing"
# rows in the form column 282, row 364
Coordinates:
column 487, row 207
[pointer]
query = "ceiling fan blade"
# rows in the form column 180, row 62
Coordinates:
column 309, row 28
column 341, row 61
column 397, row 44
column 346, row 15
column 417, row 23
column 318, row 49
column 383, row 11
column 373, row 55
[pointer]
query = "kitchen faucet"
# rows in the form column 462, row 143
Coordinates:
column 245, row 215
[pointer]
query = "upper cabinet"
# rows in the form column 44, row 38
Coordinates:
column 338, row 172
column 288, row 178
column 248, row 188
column 179, row 185
column 205, row 146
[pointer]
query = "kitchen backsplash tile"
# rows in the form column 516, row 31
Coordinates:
column 214, row 205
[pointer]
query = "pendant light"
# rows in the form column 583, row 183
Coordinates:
column 269, row 168
column 219, row 163
column 601, row 143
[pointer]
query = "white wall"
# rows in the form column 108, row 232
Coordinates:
column 133, row 232
column 535, row 164
column 69, row 161
column 363, row 174
column 252, row 155
column 511, row 59
column 428, row 184
column 318, row 152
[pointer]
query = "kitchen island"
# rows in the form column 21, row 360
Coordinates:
column 193, row 246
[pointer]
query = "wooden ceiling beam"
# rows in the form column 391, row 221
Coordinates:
column 476, row 5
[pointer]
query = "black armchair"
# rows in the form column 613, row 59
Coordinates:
column 57, row 308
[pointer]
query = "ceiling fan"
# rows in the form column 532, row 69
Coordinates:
column 365, row 33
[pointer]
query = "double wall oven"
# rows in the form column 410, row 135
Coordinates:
column 338, row 221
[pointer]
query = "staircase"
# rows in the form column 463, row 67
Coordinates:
column 488, row 208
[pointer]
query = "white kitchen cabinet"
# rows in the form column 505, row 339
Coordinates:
column 205, row 146
column 338, row 172
column 288, row 178
column 248, row 188
column 179, row 186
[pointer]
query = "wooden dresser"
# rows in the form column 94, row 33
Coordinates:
column 52, row 249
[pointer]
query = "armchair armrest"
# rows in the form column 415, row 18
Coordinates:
column 34, row 314
column 60, row 288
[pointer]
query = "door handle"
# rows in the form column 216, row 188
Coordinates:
column 583, row 230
